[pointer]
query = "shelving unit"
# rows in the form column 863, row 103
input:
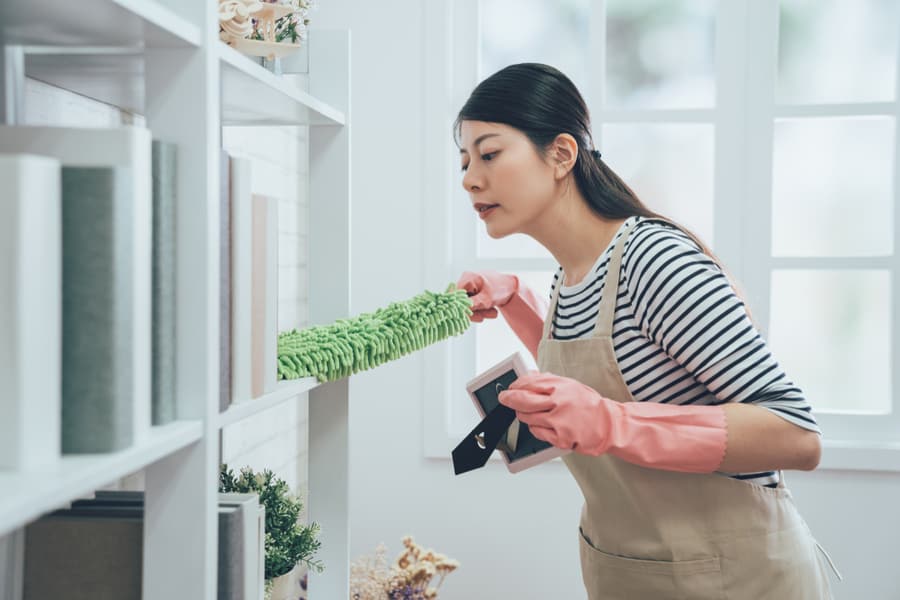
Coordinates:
column 163, row 60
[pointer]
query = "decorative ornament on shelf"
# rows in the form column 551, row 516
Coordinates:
column 409, row 578
column 268, row 30
column 235, row 18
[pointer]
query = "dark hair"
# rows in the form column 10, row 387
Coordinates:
column 542, row 102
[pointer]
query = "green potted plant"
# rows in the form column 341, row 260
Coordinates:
column 290, row 545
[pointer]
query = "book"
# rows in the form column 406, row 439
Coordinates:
column 231, row 571
column 253, row 522
column 265, row 295
column 82, row 557
column 241, row 274
column 12, row 562
column 225, row 250
column 163, row 408
column 30, row 311
column 128, row 147
column 241, row 535
column 270, row 378
column 98, row 310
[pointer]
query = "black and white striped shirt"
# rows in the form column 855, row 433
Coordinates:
column 681, row 334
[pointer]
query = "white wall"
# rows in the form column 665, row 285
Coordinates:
column 515, row 536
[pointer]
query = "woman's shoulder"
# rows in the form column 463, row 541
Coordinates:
column 654, row 229
column 659, row 247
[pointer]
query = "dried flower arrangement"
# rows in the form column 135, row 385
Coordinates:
column 409, row 578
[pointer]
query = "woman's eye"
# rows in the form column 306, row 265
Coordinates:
column 485, row 157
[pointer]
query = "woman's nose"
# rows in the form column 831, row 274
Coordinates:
column 471, row 180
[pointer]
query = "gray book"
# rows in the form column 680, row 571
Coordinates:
column 80, row 557
column 224, row 280
column 98, row 310
column 241, row 573
column 12, row 555
column 231, row 556
column 164, row 236
column 253, row 551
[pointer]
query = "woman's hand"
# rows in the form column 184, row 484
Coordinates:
column 562, row 411
column 488, row 290
column 571, row 415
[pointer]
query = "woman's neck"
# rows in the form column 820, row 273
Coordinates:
column 574, row 234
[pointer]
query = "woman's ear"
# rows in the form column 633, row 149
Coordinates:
column 564, row 153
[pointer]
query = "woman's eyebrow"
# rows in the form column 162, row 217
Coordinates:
column 478, row 141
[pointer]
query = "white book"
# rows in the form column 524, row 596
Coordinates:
column 271, row 356
column 264, row 313
column 111, row 147
column 241, row 278
column 30, row 311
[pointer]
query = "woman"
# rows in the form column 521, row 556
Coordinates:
column 650, row 368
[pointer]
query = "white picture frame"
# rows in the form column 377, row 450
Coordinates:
column 529, row 451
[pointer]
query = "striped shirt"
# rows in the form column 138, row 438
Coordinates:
column 680, row 333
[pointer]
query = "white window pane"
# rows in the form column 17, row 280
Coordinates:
column 826, row 174
column 494, row 341
column 669, row 167
column 555, row 33
column 660, row 54
column 830, row 331
column 837, row 50
column 494, row 338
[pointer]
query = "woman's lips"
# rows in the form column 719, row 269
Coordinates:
column 484, row 213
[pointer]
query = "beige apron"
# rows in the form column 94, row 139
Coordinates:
column 659, row 535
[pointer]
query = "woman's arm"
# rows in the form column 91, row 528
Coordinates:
column 759, row 440
column 525, row 313
column 685, row 305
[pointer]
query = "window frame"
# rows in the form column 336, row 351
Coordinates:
column 743, row 119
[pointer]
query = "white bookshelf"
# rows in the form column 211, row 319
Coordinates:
column 163, row 59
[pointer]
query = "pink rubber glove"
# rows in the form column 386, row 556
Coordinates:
column 523, row 310
column 571, row 415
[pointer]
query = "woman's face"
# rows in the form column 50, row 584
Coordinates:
column 500, row 166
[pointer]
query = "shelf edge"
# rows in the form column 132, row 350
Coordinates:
column 285, row 390
column 76, row 475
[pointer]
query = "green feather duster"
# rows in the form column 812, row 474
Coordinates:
column 347, row 346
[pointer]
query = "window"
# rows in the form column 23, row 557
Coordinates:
column 790, row 176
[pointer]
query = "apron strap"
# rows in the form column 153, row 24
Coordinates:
column 830, row 562
column 607, row 301
column 551, row 311
column 610, row 293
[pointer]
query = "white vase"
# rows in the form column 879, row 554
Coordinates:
column 287, row 586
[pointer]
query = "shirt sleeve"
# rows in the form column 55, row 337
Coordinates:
column 684, row 303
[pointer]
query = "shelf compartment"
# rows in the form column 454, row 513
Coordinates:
column 253, row 95
column 30, row 494
column 95, row 23
column 114, row 76
column 285, row 391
